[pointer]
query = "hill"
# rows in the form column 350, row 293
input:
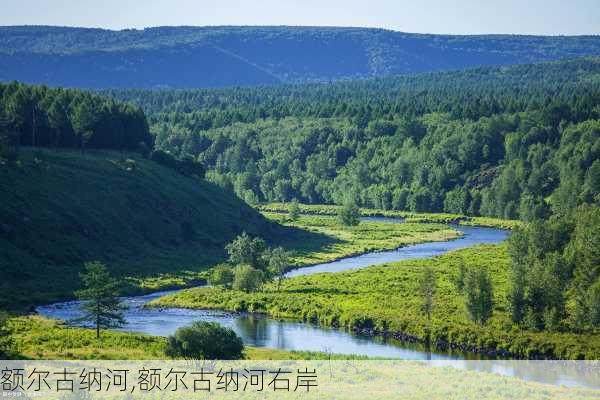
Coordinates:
column 152, row 226
column 187, row 57
column 517, row 141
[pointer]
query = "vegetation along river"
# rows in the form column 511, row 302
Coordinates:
column 288, row 335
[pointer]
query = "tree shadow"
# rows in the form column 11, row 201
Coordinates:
column 302, row 241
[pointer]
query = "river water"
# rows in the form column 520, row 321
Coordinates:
column 288, row 335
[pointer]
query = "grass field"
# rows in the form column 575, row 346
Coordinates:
column 385, row 298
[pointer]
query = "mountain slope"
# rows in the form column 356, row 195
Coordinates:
column 226, row 56
column 146, row 222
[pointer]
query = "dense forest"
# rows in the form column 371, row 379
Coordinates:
column 555, row 272
column 192, row 57
column 513, row 142
column 38, row 116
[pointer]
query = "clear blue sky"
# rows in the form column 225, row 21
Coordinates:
column 544, row 17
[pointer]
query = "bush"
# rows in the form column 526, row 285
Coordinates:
column 247, row 279
column 222, row 275
column 349, row 214
column 205, row 341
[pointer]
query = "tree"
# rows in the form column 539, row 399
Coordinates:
column 58, row 120
column 4, row 136
column 427, row 288
column 294, row 210
column 102, row 306
column 518, row 251
column 205, row 341
column 84, row 119
column 480, row 301
column 247, row 279
column 247, row 250
column 583, row 252
column 593, row 303
column 222, row 275
column 459, row 279
column 279, row 261
column 5, row 339
column 349, row 214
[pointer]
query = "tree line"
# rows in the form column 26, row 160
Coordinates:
column 39, row 116
column 555, row 275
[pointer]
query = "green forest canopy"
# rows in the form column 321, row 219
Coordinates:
column 39, row 116
column 513, row 142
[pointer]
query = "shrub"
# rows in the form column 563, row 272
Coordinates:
column 247, row 279
column 222, row 275
column 349, row 214
column 205, row 341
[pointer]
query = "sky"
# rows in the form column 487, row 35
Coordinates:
column 539, row 17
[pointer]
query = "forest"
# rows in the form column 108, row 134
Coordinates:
column 39, row 116
column 223, row 56
column 512, row 142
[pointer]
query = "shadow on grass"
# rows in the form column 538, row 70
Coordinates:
column 303, row 241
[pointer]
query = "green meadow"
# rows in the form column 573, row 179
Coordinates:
column 386, row 299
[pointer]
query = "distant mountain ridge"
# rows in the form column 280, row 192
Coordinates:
column 194, row 57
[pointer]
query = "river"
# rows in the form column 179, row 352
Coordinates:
column 289, row 335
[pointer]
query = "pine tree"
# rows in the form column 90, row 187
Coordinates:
column 102, row 306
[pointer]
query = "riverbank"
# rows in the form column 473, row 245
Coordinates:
column 384, row 300
column 440, row 218
column 334, row 241
column 36, row 337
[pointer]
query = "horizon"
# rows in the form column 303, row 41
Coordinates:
column 293, row 26
column 462, row 17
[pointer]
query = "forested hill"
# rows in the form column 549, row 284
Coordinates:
column 151, row 225
column 79, row 182
column 515, row 141
column 189, row 57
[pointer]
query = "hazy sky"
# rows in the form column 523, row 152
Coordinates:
column 548, row 17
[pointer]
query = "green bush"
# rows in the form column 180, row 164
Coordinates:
column 349, row 214
column 247, row 279
column 205, row 341
column 222, row 275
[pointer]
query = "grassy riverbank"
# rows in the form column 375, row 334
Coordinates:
column 335, row 241
column 323, row 209
column 385, row 298
column 41, row 338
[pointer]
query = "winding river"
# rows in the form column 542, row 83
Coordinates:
column 287, row 335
